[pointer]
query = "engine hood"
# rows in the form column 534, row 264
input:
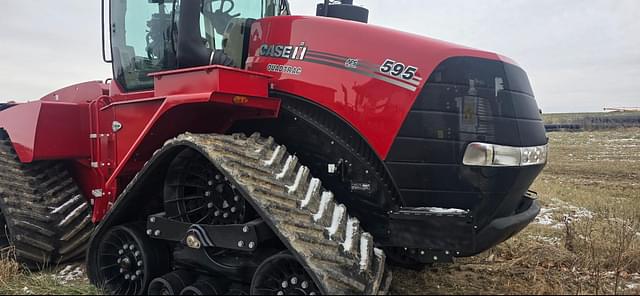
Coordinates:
column 368, row 75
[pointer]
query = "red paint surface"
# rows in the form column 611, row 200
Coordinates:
column 209, row 99
column 375, row 108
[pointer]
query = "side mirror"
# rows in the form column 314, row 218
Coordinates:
column 104, row 36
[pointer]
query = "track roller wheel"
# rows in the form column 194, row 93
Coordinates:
column 171, row 284
column 282, row 274
column 128, row 260
column 204, row 287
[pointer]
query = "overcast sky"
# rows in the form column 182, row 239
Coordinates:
column 580, row 55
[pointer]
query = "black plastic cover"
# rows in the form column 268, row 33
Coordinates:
column 467, row 100
column 345, row 11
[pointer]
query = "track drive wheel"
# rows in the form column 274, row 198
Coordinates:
column 128, row 260
column 43, row 213
column 282, row 274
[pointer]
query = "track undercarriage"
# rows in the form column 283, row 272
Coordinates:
column 241, row 215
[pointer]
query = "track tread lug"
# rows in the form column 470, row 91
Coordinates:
column 292, row 199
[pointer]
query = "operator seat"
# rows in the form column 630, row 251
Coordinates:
column 235, row 42
column 191, row 50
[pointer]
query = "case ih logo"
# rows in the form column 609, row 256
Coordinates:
column 284, row 51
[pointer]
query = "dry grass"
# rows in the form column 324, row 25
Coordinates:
column 15, row 280
column 586, row 241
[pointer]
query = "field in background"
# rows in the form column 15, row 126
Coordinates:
column 586, row 240
column 591, row 121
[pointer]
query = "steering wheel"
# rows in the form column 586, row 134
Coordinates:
column 226, row 11
column 221, row 17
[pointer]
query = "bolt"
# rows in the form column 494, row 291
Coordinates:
column 226, row 215
column 422, row 253
column 137, row 254
column 280, row 293
column 216, row 214
column 305, row 285
column 127, row 276
column 157, row 233
column 210, row 205
column 139, row 272
column 245, row 229
column 119, row 260
column 140, row 263
column 236, row 198
column 121, row 252
column 121, row 270
column 152, row 219
column 132, row 247
column 210, row 183
column 125, row 247
column 218, row 177
column 241, row 244
column 207, row 194
column 447, row 252
column 294, row 281
column 193, row 242
column 233, row 209
column 149, row 232
column 252, row 245
column 285, row 284
column 435, row 258
column 133, row 278
column 312, row 293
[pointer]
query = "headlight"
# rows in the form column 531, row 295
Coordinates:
column 490, row 155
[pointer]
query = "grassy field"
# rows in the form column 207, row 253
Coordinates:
column 586, row 240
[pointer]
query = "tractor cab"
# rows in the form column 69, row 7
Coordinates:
column 158, row 35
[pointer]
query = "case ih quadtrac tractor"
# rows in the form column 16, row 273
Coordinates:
column 239, row 149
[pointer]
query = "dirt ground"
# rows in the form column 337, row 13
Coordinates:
column 585, row 241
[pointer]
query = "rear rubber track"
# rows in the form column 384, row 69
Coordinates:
column 46, row 218
column 329, row 243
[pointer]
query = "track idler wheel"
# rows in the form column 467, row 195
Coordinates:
column 172, row 283
column 282, row 274
column 206, row 286
column 128, row 260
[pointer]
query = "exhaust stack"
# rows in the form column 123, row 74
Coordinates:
column 343, row 10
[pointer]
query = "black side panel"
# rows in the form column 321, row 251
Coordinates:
column 320, row 138
column 6, row 106
column 467, row 100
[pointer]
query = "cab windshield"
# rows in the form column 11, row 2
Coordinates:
column 144, row 33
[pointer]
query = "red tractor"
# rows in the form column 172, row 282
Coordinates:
column 239, row 149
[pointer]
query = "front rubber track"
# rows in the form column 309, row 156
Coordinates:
column 48, row 221
column 330, row 244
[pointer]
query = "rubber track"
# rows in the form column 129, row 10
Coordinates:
column 48, row 218
column 328, row 242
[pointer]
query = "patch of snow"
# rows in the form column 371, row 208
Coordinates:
column 65, row 205
column 313, row 186
column 338, row 214
column 69, row 274
column 443, row 211
column 632, row 286
column 327, row 197
column 546, row 239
